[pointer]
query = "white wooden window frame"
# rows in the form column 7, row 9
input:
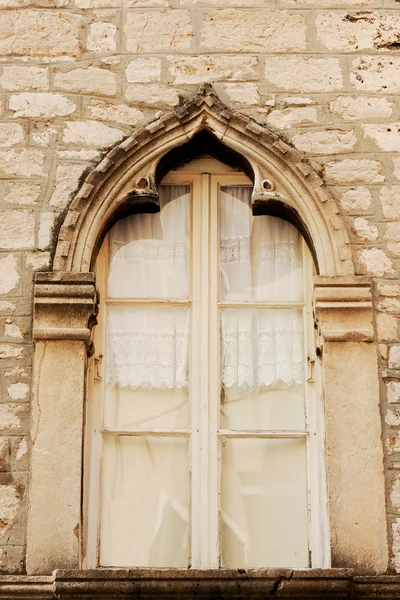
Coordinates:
column 204, row 385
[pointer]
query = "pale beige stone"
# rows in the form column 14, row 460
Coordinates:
column 9, row 276
column 389, row 305
column 162, row 95
column 11, row 134
column 4, row 455
column 39, row 33
column 393, row 232
column 33, row 3
column 5, row 305
column 392, row 417
column 119, row 113
column 395, row 493
column 374, row 261
column 10, row 500
column 223, row 3
column 298, row 100
column 89, row 155
column 43, row 133
column 144, row 70
column 10, row 415
column 15, row 78
column 364, row 229
column 394, row 248
column 21, row 163
column 396, row 545
column 7, row 351
column 328, row 141
column 11, row 330
column 362, row 31
column 376, row 74
column 101, row 38
column 38, row 260
column 354, row 171
column 91, row 133
column 41, row 105
column 22, row 449
column 245, row 94
column 91, row 80
column 157, row 30
column 393, row 392
column 363, row 107
column 386, row 136
column 67, row 179
column 290, row 117
column 355, row 199
column 327, row 3
column 396, row 165
column 46, row 228
column 387, row 327
column 17, row 229
column 120, row 3
column 197, row 69
column 23, row 193
column 18, row 391
column 253, row 31
column 386, row 289
column 390, row 200
column 304, row 74
column 394, row 357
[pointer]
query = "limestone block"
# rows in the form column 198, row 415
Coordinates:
column 327, row 3
column 387, row 136
column 374, row 261
column 91, row 80
column 43, row 133
column 9, row 504
column 7, row 351
column 354, row 109
column 386, row 327
column 120, row 3
column 162, row 95
column 390, row 200
column 298, row 100
column 393, row 232
column 23, row 193
column 18, row 391
column 33, row 3
column 11, row 134
column 328, row 141
column 67, row 180
column 355, row 199
column 41, row 105
column 46, row 228
column 395, row 493
column 21, row 163
column 376, row 74
column 144, row 70
column 39, row 33
column 4, row 455
column 389, row 305
column 263, row 30
column 38, row 260
column 91, row 133
column 365, row 230
column 357, row 31
column 197, row 69
column 101, row 38
column 392, row 417
column 17, row 78
column 290, row 117
column 393, row 392
column 90, row 155
column 11, row 416
column 9, row 276
column 157, row 30
column 304, row 74
column 353, row 171
column 396, row 165
column 245, row 94
column 12, row 330
column 386, row 289
column 119, row 113
column 394, row 357
column 17, row 229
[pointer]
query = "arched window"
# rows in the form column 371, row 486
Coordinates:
column 203, row 419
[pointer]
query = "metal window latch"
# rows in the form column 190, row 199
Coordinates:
column 97, row 361
column 311, row 367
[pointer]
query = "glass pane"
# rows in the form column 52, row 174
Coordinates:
column 261, row 257
column 147, row 367
column 263, row 512
column 149, row 254
column 262, row 369
column 145, row 502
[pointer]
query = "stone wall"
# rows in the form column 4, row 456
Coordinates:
column 77, row 76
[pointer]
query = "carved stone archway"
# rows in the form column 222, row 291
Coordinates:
column 65, row 304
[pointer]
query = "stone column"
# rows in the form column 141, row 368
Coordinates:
column 354, row 459
column 64, row 309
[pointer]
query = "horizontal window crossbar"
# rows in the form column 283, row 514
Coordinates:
column 248, row 433
column 148, row 432
column 261, row 304
column 146, row 302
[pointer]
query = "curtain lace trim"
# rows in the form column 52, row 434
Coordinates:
column 148, row 250
column 241, row 251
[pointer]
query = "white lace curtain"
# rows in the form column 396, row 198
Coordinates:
column 260, row 261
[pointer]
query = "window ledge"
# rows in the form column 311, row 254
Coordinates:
column 169, row 584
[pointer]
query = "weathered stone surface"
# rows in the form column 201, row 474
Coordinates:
column 18, row 391
column 43, row 133
column 390, row 200
column 375, row 262
column 364, row 229
column 91, row 80
column 327, row 3
column 197, row 69
column 13, row 331
column 11, row 134
column 394, row 357
column 393, row 392
column 9, row 504
column 46, row 228
column 152, row 94
column 358, row 31
column 22, row 193
column 21, row 163
column 392, row 233
column 119, row 113
column 41, row 105
column 387, row 136
column 156, row 30
column 376, row 74
column 396, row 165
column 91, row 133
column 101, row 38
column 355, row 199
column 354, row 171
column 253, row 31
column 38, row 260
column 386, row 327
column 4, row 455
column 304, row 74
column 67, row 178
column 17, row 229
column 327, row 141
column 85, row 4
column 9, row 276
column 354, row 109
column 39, row 33
column 10, row 415
column 290, row 117
column 90, row 155
column 245, row 94
column 392, row 417
column 144, row 70
column 7, row 351
column 16, row 78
